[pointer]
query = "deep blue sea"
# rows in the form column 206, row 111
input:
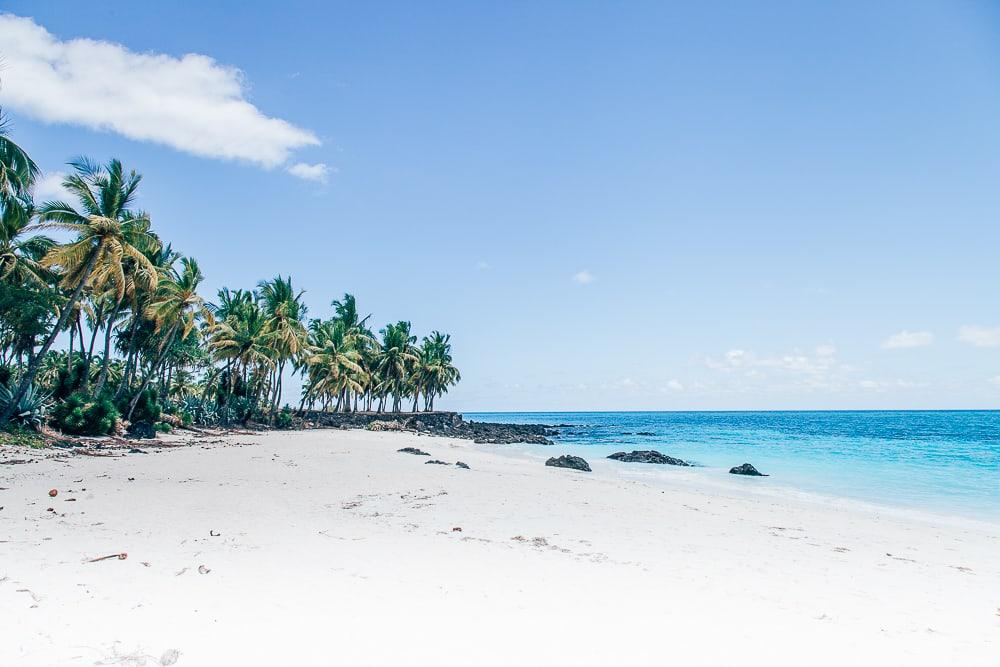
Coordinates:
column 938, row 461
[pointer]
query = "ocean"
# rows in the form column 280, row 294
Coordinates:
column 945, row 462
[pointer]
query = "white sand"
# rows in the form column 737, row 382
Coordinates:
column 336, row 550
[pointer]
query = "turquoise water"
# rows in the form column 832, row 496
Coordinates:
column 939, row 461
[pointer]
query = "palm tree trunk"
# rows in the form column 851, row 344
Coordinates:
column 129, row 357
column 152, row 370
column 102, row 378
column 69, row 357
column 35, row 361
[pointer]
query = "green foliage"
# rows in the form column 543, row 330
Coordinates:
column 68, row 381
column 5, row 375
column 30, row 411
column 147, row 409
column 162, row 427
column 285, row 418
column 81, row 414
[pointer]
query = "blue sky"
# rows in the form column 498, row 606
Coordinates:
column 723, row 205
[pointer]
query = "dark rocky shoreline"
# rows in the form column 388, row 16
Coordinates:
column 446, row 424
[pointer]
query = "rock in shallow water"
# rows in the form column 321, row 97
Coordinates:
column 567, row 461
column 746, row 469
column 647, row 456
column 436, row 462
column 413, row 450
column 459, row 464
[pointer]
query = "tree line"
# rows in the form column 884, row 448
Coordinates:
column 144, row 344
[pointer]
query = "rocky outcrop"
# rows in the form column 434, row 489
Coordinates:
column 436, row 462
column 567, row 461
column 412, row 450
column 746, row 469
column 647, row 456
column 459, row 464
column 450, row 424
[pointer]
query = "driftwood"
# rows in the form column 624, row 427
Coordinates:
column 121, row 556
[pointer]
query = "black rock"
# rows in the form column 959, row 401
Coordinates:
column 141, row 431
column 647, row 456
column 644, row 433
column 436, row 462
column 567, row 461
column 459, row 464
column 136, row 451
column 746, row 469
column 413, row 450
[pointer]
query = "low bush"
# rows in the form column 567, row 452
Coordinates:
column 162, row 427
column 147, row 410
column 285, row 418
column 81, row 414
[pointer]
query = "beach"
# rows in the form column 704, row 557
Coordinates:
column 326, row 547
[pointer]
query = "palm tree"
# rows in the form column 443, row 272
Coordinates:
column 174, row 309
column 286, row 335
column 239, row 335
column 17, row 171
column 395, row 362
column 107, row 233
column 21, row 253
column 435, row 370
column 334, row 362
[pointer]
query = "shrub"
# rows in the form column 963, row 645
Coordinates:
column 284, row 419
column 81, row 414
column 162, row 427
column 147, row 410
column 30, row 410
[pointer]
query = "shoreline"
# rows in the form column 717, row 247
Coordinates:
column 334, row 541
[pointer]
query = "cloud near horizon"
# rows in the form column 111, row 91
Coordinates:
column 908, row 339
column 192, row 103
column 980, row 336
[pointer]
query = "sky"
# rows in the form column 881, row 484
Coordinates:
column 610, row 206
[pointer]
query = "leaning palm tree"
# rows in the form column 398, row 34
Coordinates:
column 174, row 309
column 107, row 233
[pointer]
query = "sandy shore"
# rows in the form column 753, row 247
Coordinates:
column 330, row 548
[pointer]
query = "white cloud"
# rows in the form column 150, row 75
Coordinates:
column 50, row 188
column 907, row 339
column 191, row 103
column 483, row 266
column 995, row 381
column 584, row 277
column 980, row 336
column 675, row 385
column 319, row 173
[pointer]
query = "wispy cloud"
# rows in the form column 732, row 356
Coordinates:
column 907, row 339
column 980, row 336
column 584, row 277
column 190, row 103
column 318, row 173
column 483, row 266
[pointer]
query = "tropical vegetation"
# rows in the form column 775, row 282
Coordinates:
column 107, row 325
